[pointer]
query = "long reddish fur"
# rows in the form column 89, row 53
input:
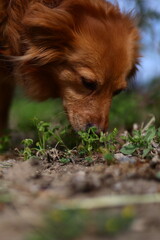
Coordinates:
column 33, row 39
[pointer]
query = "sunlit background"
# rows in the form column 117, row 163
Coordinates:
column 148, row 12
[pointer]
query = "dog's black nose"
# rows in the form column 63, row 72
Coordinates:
column 90, row 125
column 98, row 129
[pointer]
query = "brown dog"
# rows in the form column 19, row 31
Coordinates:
column 83, row 51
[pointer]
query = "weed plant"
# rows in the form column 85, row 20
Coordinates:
column 141, row 142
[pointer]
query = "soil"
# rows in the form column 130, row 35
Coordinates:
column 29, row 188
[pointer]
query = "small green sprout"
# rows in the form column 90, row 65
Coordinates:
column 91, row 141
column 141, row 142
column 109, row 157
column 64, row 160
column 46, row 134
column 27, row 152
column 89, row 159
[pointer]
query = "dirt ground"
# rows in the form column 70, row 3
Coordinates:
column 29, row 188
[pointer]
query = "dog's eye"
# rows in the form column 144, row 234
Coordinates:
column 118, row 92
column 89, row 84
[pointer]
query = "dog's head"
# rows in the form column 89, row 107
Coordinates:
column 88, row 51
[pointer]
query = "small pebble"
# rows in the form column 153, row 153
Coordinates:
column 123, row 158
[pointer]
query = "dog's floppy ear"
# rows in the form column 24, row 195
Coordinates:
column 48, row 33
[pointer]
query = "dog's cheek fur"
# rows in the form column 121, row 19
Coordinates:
column 47, row 39
column 39, row 82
